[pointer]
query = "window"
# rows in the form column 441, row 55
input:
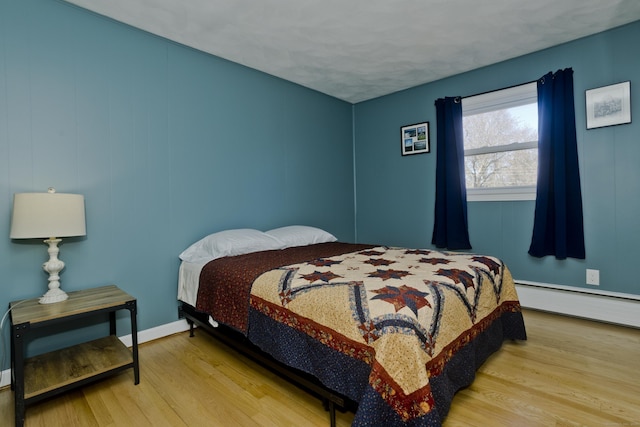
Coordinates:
column 501, row 144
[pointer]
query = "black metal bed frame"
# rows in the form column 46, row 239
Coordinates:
column 240, row 343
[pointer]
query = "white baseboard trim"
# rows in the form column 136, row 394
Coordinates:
column 157, row 332
column 6, row 378
column 143, row 336
column 610, row 307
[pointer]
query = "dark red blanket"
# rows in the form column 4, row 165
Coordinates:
column 225, row 283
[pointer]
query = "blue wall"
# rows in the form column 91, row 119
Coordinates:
column 395, row 195
column 166, row 143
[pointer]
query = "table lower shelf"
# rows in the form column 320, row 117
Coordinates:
column 60, row 369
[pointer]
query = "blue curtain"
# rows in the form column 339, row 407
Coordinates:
column 450, row 224
column 558, row 224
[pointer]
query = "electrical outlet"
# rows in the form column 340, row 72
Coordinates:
column 593, row 277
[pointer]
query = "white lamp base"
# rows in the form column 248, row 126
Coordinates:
column 53, row 295
column 54, row 266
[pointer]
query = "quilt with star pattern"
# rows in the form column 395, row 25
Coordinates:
column 396, row 330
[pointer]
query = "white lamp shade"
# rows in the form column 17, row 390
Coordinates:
column 47, row 215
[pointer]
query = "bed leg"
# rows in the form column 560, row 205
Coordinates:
column 328, row 405
column 191, row 328
column 332, row 412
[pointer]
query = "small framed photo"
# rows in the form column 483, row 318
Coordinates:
column 608, row 105
column 414, row 139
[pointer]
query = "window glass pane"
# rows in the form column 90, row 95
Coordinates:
column 492, row 131
column 501, row 127
column 503, row 169
column 527, row 117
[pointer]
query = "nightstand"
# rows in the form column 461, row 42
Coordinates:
column 45, row 375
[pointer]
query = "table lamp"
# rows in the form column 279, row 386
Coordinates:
column 49, row 215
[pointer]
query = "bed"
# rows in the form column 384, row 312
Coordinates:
column 396, row 330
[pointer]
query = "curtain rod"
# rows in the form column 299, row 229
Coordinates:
column 495, row 90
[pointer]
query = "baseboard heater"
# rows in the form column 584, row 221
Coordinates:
column 611, row 307
column 240, row 343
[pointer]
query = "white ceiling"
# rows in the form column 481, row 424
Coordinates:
column 361, row 49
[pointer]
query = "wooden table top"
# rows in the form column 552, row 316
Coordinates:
column 82, row 301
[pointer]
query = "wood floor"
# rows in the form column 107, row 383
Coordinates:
column 570, row 372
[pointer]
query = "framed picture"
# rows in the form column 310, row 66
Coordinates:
column 609, row 105
column 414, row 139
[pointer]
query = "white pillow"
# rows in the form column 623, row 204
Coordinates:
column 230, row 242
column 300, row 235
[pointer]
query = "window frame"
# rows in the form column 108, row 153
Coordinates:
column 510, row 97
